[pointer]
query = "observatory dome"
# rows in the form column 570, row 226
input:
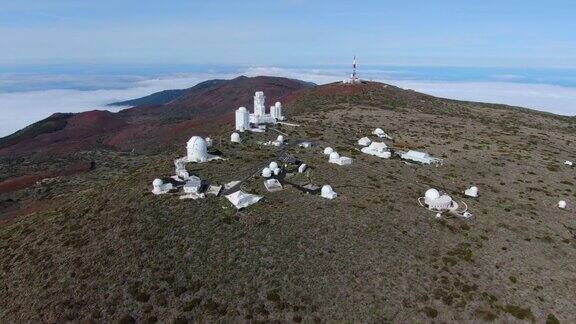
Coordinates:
column 157, row 183
column 471, row 192
column 242, row 109
column 235, row 137
column 280, row 139
column 328, row 150
column 326, row 189
column 334, row 156
column 197, row 149
column 266, row 172
column 273, row 165
column 278, row 104
column 327, row 192
column 431, row 194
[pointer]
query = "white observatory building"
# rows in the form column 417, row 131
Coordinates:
column 197, row 149
column 242, row 119
column 259, row 116
column 259, row 107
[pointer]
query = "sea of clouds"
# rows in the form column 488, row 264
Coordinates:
column 21, row 108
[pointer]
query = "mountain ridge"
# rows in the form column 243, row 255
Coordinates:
column 208, row 104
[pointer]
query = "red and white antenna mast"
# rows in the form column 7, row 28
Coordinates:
column 354, row 75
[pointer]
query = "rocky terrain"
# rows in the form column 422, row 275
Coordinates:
column 97, row 245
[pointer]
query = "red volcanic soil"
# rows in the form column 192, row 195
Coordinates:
column 95, row 120
column 26, row 181
column 199, row 111
column 31, row 207
column 82, row 131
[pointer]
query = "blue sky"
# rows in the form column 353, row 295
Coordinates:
column 77, row 55
column 511, row 33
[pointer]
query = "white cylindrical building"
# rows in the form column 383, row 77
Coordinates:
column 280, row 115
column 197, row 149
column 276, row 111
column 259, row 107
column 242, row 119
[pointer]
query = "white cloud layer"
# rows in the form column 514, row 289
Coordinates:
column 19, row 109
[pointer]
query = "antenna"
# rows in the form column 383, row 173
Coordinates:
column 354, row 76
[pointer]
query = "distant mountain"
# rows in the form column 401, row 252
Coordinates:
column 158, row 98
column 157, row 120
column 164, row 97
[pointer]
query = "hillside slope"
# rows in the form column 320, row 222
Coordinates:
column 99, row 246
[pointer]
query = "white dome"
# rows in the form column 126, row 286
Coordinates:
column 334, row 156
column 327, row 190
column 235, row 137
column 266, row 172
column 378, row 131
column 157, row 182
column 432, row 194
column 471, row 192
column 242, row 109
column 197, row 149
column 328, row 150
column 562, row 204
column 273, row 165
column 278, row 104
column 280, row 139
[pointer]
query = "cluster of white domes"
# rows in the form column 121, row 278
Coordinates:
column 271, row 169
